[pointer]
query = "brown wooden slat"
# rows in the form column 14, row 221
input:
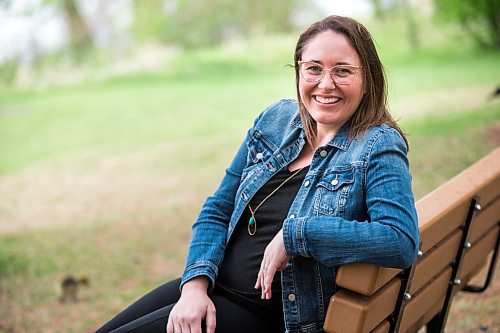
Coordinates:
column 484, row 220
column 482, row 178
column 465, row 277
column 383, row 327
column 489, row 193
column 349, row 312
column 449, row 220
column 436, row 260
column 365, row 279
column 434, row 292
column 422, row 321
column 478, row 253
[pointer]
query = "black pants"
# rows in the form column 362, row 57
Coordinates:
column 150, row 314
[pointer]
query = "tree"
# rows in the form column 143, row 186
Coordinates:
column 81, row 39
column 480, row 18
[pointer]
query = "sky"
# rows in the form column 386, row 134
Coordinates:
column 21, row 35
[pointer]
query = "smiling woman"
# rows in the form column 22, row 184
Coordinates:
column 317, row 183
column 330, row 99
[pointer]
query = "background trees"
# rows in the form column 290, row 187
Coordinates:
column 479, row 18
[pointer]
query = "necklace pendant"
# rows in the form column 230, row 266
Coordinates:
column 252, row 226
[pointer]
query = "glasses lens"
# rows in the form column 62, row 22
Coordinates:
column 343, row 74
column 311, row 71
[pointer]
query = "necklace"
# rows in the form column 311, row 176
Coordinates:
column 252, row 221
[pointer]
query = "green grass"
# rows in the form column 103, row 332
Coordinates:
column 442, row 146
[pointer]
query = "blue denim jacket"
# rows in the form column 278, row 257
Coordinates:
column 355, row 205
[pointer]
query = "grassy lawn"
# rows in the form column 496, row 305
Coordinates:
column 105, row 178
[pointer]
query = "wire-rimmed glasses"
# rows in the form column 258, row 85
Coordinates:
column 340, row 74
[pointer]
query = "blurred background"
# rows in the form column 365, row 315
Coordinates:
column 118, row 118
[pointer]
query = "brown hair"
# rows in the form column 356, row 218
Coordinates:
column 372, row 109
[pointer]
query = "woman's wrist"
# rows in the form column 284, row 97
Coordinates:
column 197, row 284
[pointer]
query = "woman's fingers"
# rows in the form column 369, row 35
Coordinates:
column 177, row 328
column 170, row 326
column 274, row 260
column 210, row 320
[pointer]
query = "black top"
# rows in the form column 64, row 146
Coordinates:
column 243, row 255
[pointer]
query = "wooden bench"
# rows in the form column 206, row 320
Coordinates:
column 459, row 226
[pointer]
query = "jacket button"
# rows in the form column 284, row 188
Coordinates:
column 307, row 183
column 291, row 297
column 334, row 182
column 259, row 156
column 292, row 216
column 323, row 153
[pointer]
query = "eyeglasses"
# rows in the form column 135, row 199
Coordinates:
column 340, row 74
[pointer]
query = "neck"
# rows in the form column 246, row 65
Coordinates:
column 324, row 134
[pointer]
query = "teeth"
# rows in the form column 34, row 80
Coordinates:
column 330, row 100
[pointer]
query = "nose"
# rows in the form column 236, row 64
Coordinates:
column 326, row 81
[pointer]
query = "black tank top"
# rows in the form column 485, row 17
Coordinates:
column 243, row 255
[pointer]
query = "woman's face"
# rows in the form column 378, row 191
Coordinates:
column 330, row 104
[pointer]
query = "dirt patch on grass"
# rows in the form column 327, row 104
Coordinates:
column 68, row 193
column 440, row 102
column 492, row 134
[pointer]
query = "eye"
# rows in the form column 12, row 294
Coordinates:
column 342, row 71
column 313, row 68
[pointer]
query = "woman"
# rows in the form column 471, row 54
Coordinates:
column 316, row 184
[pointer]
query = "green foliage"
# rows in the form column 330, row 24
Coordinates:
column 479, row 18
column 8, row 71
column 150, row 23
column 201, row 23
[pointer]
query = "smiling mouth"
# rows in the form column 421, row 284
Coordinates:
column 324, row 100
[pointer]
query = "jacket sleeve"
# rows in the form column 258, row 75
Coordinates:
column 388, row 238
column 209, row 232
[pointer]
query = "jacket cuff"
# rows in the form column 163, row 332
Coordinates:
column 200, row 268
column 294, row 236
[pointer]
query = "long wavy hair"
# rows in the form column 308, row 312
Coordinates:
column 372, row 109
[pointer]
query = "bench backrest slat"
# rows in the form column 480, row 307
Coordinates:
column 475, row 257
column 484, row 220
column 419, row 304
column 435, row 261
column 383, row 327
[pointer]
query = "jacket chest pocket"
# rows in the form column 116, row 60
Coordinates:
column 332, row 191
column 260, row 151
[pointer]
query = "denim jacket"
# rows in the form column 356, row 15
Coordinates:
column 355, row 205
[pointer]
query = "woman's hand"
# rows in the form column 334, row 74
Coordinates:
column 274, row 260
column 193, row 306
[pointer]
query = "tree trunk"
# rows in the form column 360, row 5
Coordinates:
column 413, row 35
column 81, row 40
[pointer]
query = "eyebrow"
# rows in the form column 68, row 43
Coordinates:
column 321, row 63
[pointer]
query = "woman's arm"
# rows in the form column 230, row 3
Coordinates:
column 390, row 237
